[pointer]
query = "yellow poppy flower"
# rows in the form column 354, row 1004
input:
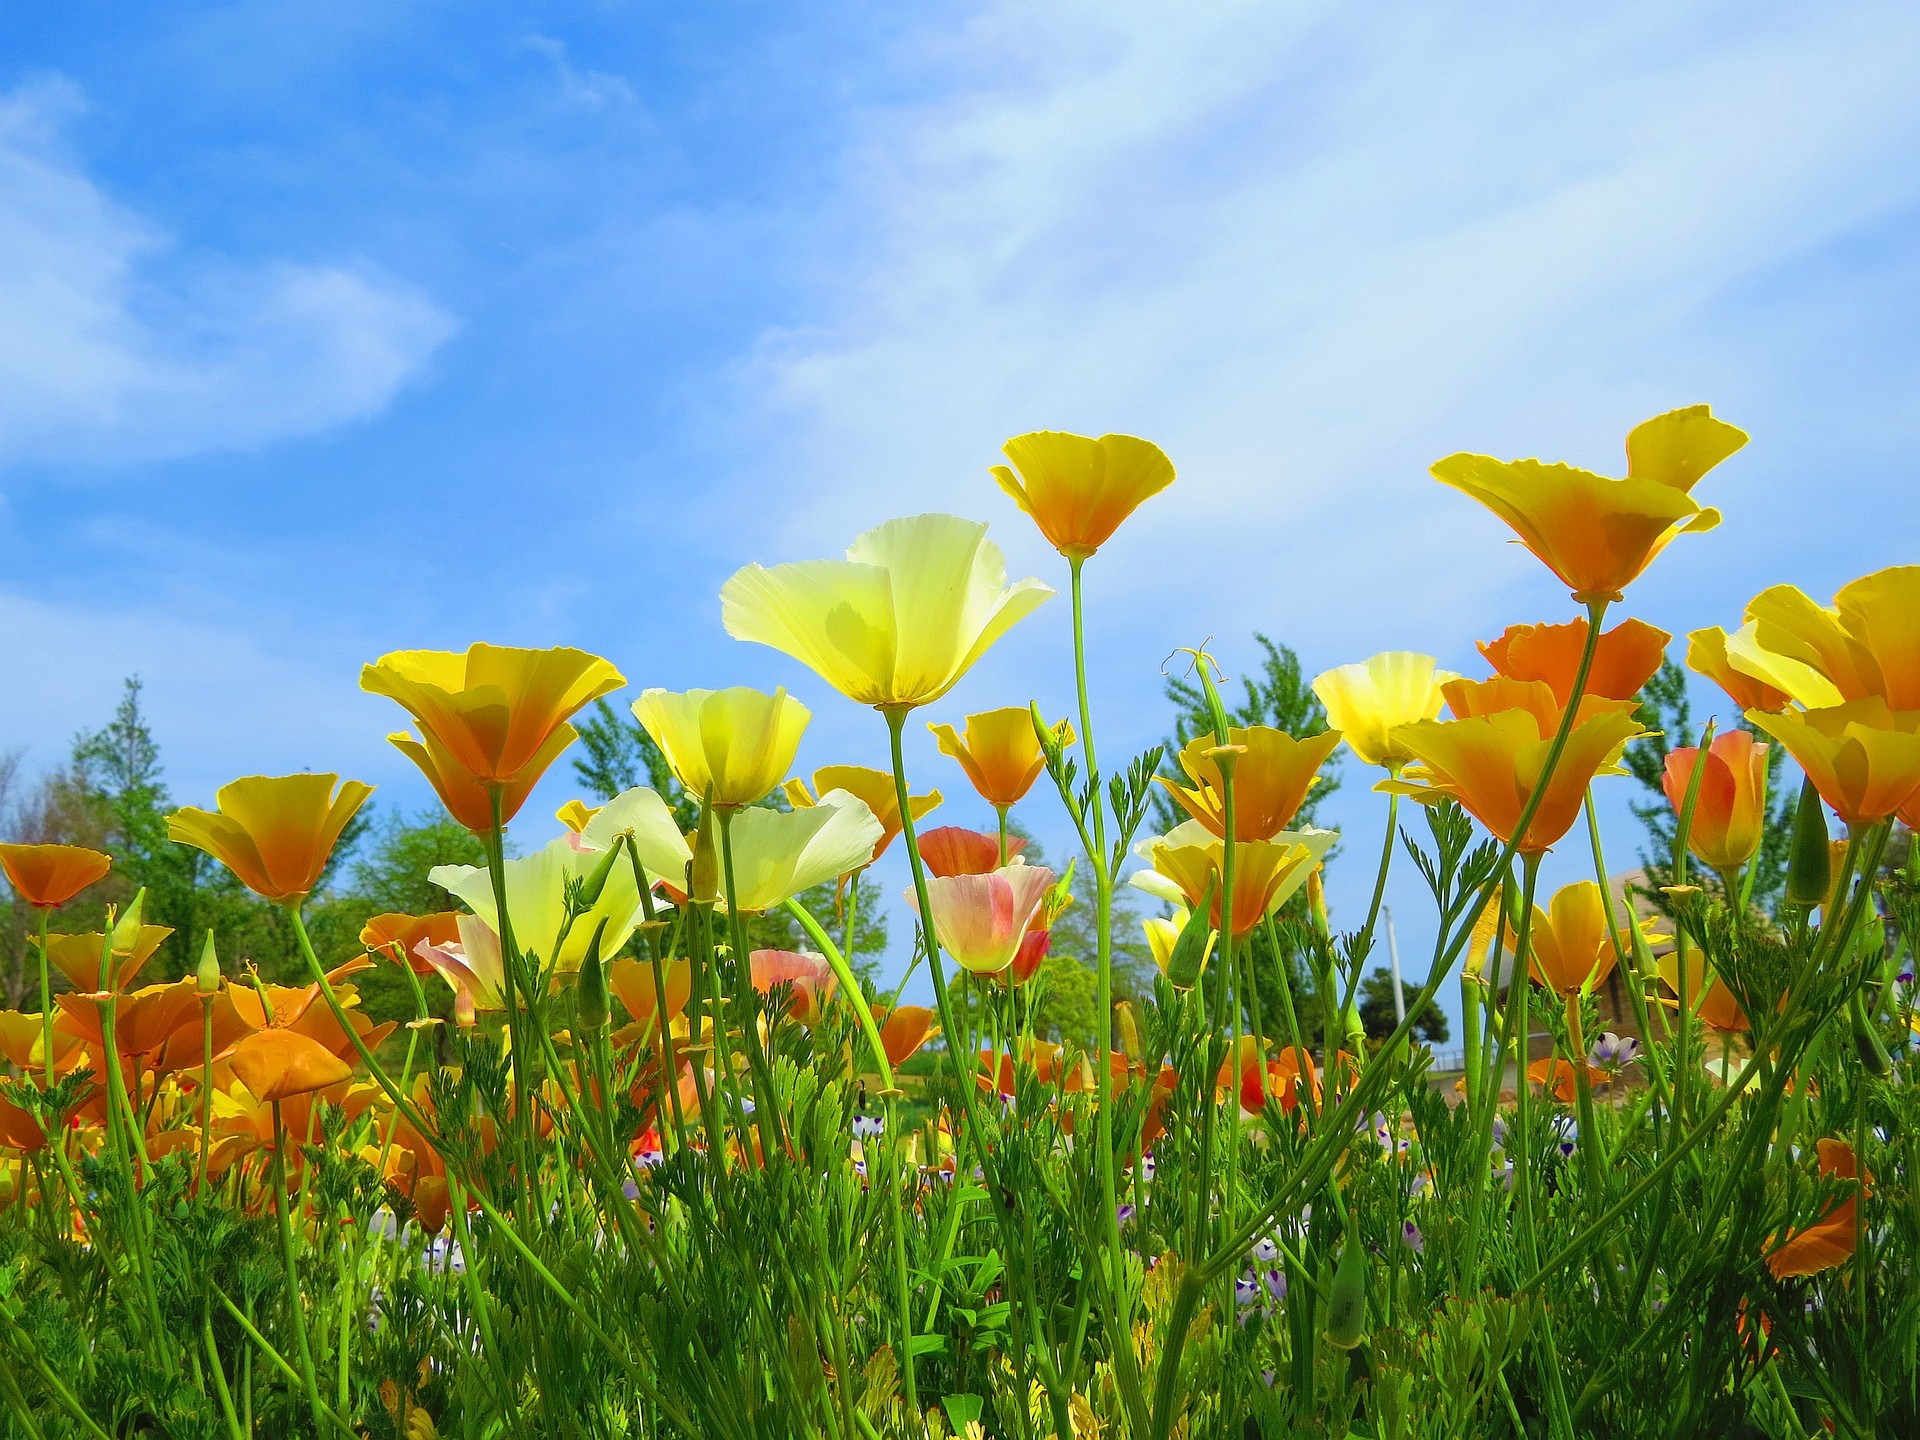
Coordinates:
column 999, row 752
column 1491, row 762
column 1077, row 489
column 575, row 814
column 873, row 787
column 1367, row 701
column 777, row 854
column 492, row 718
column 1866, row 645
column 1271, row 777
column 730, row 747
column 1189, row 861
column 1571, row 949
column 537, row 887
column 1707, row 655
column 1862, row 757
column 899, row 621
column 1597, row 534
column 275, row 832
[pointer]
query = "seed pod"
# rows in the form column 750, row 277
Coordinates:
column 1347, row 1299
column 206, row 978
column 591, row 987
column 1866, row 1039
column 1190, row 951
column 1809, row 863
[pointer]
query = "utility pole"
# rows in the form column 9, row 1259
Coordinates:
column 1393, row 958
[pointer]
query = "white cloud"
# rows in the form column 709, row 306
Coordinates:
column 1312, row 248
column 113, row 347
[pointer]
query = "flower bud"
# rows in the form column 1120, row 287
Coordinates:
column 595, row 882
column 1317, row 903
column 465, row 1015
column 1866, row 1040
column 206, row 979
column 591, row 995
column 1347, row 1299
column 1809, row 863
column 703, row 884
column 1190, row 951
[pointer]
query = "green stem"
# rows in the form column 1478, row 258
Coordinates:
column 296, row 1311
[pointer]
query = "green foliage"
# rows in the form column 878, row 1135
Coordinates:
column 1378, row 1014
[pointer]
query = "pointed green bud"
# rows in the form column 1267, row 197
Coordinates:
column 1194, row 945
column 206, row 979
column 1347, row 1298
column 591, row 987
column 595, row 883
column 703, row 885
column 1809, row 861
column 1866, row 1039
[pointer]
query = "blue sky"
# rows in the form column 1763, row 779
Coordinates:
column 332, row 329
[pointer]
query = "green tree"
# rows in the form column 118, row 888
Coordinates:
column 1380, row 1016
column 617, row 753
column 1278, row 694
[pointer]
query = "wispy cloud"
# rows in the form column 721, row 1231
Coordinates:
column 117, row 345
column 1310, row 249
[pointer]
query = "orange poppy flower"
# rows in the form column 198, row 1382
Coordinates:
column 48, row 876
column 1077, row 489
column 1595, row 533
column 1491, row 763
column 955, row 850
column 1271, row 777
column 142, row 1020
column 1729, row 814
column 999, row 752
column 1830, row 1240
column 874, row 788
column 1257, row 1079
column 1713, row 1003
column 398, row 936
column 493, row 718
column 1707, row 655
column 275, row 832
column 1559, row 1077
column 78, row 957
column 275, row 1064
column 903, row 1030
column 1623, row 660
column 632, row 981
column 1862, row 757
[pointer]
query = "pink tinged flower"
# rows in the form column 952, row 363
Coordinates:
column 981, row 920
column 810, row 977
column 471, row 966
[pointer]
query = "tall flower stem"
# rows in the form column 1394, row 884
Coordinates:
column 520, row 1122
column 296, row 1310
column 46, row 1004
column 1103, row 946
